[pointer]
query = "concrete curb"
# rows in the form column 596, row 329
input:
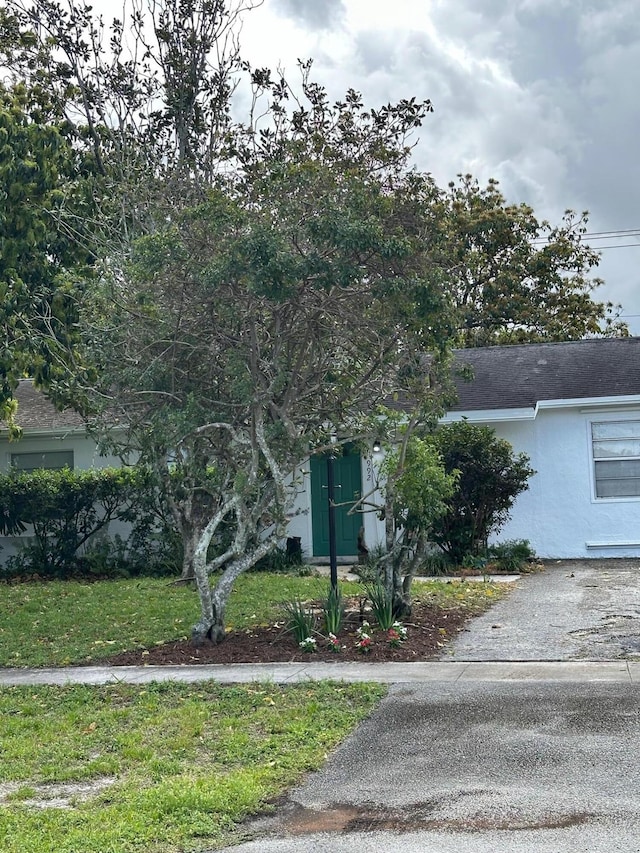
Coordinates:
column 288, row 673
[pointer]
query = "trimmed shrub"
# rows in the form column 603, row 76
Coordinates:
column 490, row 477
column 66, row 515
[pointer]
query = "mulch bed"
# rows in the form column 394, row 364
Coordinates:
column 428, row 630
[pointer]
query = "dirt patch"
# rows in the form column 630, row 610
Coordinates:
column 52, row 795
column 415, row 817
column 428, row 630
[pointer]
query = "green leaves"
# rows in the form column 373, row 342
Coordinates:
column 420, row 485
column 65, row 508
column 513, row 277
column 37, row 254
column 490, row 477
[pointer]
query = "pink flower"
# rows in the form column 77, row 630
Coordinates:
column 396, row 634
column 334, row 643
column 364, row 643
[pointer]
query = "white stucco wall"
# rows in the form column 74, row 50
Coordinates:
column 559, row 514
column 300, row 521
column 85, row 452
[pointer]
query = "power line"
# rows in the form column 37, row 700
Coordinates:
column 619, row 246
column 613, row 236
column 620, row 231
column 585, row 239
column 601, row 235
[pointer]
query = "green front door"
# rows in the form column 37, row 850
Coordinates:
column 348, row 484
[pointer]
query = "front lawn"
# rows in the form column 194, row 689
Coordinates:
column 160, row 768
column 65, row 622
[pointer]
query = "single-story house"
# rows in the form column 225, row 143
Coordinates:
column 573, row 408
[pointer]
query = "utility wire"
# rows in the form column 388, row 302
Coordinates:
column 602, row 235
column 619, row 246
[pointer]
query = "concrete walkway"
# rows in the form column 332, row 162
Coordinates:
column 288, row 673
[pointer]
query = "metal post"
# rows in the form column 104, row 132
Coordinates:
column 333, row 557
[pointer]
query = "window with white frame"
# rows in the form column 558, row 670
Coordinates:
column 616, row 458
column 51, row 459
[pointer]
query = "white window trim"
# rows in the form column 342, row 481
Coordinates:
column 634, row 417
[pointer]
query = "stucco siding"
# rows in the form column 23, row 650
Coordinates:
column 560, row 514
column 300, row 519
column 85, row 452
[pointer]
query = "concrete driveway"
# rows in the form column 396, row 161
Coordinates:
column 573, row 610
column 486, row 766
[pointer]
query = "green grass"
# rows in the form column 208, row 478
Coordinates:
column 185, row 763
column 64, row 622
column 175, row 767
column 471, row 596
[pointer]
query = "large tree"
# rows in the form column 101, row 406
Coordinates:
column 515, row 278
column 278, row 314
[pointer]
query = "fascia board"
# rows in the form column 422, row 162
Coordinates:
column 54, row 432
column 45, row 433
column 587, row 403
column 489, row 415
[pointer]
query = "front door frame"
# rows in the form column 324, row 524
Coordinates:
column 348, row 477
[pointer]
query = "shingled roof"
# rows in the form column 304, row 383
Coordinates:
column 37, row 414
column 506, row 377
column 514, row 377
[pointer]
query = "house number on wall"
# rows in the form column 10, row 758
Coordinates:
column 369, row 463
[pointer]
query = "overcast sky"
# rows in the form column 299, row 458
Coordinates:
column 540, row 94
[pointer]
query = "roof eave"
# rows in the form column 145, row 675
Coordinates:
column 488, row 415
column 51, row 432
column 617, row 401
column 585, row 404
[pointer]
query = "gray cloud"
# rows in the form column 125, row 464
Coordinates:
column 317, row 14
column 541, row 94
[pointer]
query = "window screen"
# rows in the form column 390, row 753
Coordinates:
column 616, row 456
column 52, row 459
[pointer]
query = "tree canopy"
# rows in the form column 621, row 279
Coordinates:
column 38, row 248
column 282, row 311
column 514, row 278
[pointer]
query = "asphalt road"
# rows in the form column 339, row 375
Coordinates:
column 533, row 768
